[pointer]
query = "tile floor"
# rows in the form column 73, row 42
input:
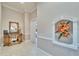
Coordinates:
column 26, row 48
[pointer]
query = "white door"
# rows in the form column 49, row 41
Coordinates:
column 33, row 31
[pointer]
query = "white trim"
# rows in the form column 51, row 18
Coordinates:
column 42, row 37
column 66, row 45
column 44, row 52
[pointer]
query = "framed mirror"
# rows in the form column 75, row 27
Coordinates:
column 13, row 27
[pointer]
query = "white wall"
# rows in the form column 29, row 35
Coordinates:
column 46, row 13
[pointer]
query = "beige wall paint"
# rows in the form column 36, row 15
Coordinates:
column 11, row 15
column 28, row 18
column 46, row 14
column 33, row 14
column 0, row 24
column 27, row 25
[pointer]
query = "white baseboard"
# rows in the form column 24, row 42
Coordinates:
column 44, row 52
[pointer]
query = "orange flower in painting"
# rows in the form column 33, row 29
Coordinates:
column 63, row 28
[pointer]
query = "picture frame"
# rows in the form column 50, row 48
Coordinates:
column 13, row 27
column 73, row 45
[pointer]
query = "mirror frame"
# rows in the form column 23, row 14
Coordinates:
column 10, row 24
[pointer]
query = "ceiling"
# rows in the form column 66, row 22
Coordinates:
column 21, row 6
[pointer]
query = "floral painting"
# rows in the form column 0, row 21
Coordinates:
column 64, row 31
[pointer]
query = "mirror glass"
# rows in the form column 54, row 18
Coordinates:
column 13, row 27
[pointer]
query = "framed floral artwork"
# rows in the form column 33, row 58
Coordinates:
column 65, row 32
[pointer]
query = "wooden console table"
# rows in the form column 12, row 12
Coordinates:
column 8, row 38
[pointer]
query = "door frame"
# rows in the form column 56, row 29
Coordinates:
column 31, row 22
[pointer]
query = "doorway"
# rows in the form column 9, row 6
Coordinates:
column 33, row 31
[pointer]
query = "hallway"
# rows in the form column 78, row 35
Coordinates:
column 24, row 49
column 54, row 26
